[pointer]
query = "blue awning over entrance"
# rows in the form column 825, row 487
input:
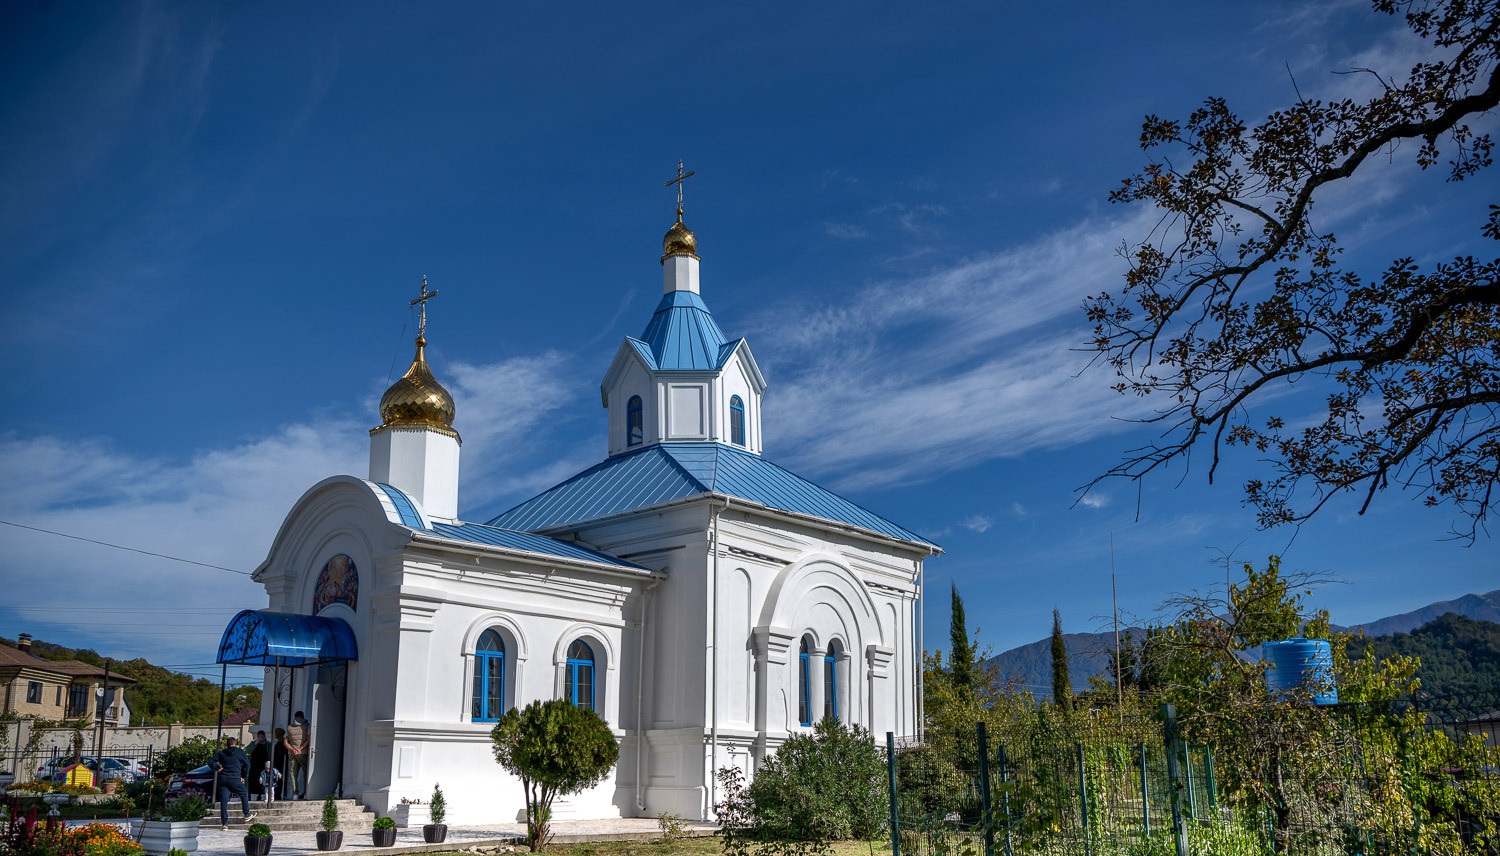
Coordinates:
column 258, row 637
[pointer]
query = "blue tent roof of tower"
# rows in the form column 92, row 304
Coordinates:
column 683, row 336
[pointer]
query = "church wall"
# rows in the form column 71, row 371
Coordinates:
column 632, row 380
column 858, row 592
column 735, row 380
column 445, row 603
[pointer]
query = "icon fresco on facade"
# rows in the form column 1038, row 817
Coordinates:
column 337, row 583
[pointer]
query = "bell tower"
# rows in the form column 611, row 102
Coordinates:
column 415, row 448
column 683, row 380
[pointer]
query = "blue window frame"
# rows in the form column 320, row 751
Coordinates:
column 804, row 688
column 736, row 421
column 489, row 678
column 635, row 432
column 581, row 674
column 831, row 683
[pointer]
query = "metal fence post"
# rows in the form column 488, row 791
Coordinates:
column 986, row 816
column 1174, row 777
column 890, row 772
column 1083, row 801
column 1208, row 772
column 1192, row 791
column 1145, row 795
column 1005, row 799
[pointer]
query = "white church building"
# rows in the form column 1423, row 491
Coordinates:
column 704, row 601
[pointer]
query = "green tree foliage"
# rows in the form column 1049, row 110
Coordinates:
column 1457, row 654
column 554, row 747
column 960, row 649
column 1240, row 290
column 820, row 787
column 191, row 753
column 1062, row 687
column 1278, row 752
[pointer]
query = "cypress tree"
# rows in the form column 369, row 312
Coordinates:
column 960, row 651
column 1062, row 688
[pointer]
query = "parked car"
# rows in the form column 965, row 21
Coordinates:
column 135, row 766
column 200, row 780
column 53, row 770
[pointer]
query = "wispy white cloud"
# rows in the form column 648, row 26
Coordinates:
column 1094, row 499
column 977, row 522
column 912, row 378
column 845, row 230
column 224, row 505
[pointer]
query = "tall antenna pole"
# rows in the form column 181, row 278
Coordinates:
column 1114, row 596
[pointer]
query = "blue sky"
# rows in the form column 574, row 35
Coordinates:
column 215, row 215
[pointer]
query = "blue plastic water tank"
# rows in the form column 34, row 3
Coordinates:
column 1301, row 665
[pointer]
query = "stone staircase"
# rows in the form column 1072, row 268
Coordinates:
column 301, row 816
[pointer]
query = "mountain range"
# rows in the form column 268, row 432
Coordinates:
column 1030, row 666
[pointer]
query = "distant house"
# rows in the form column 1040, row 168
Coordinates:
column 243, row 716
column 58, row 689
column 1486, row 725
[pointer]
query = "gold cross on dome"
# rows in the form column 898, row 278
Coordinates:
column 422, row 301
column 681, row 177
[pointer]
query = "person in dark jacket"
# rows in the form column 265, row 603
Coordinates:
column 260, row 754
column 233, row 767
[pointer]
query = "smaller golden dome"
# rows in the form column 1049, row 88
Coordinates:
column 679, row 241
column 417, row 400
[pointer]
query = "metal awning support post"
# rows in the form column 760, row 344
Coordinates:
column 219, row 735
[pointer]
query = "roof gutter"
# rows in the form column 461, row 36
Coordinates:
column 925, row 548
column 543, row 559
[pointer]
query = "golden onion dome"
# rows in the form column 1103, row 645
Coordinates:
column 679, row 241
column 417, row 400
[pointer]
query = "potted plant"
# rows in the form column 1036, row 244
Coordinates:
column 329, row 837
column 384, row 833
column 257, row 840
column 174, row 827
column 437, row 831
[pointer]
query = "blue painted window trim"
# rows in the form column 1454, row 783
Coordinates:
column 635, row 428
column 581, row 670
column 489, row 665
column 736, row 421
column 804, row 688
column 831, row 683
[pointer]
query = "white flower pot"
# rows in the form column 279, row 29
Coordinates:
column 408, row 815
column 161, row 836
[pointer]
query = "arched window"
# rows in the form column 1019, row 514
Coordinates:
column 581, row 674
column 489, row 678
column 736, row 421
column 831, row 682
column 635, row 432
column 804, row 683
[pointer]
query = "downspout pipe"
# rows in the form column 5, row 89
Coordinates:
column 648, row 608
column 713, row 646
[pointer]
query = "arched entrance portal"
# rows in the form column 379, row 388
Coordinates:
column 309, row 659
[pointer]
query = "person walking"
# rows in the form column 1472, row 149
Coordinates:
column 233, row 767
column 270, row 777
column 260, row 756
column 298, row 742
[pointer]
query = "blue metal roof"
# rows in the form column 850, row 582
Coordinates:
column 404, row 506
column 478, row 533
column 668, row 471
column 682, row 335
column 259, row 637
